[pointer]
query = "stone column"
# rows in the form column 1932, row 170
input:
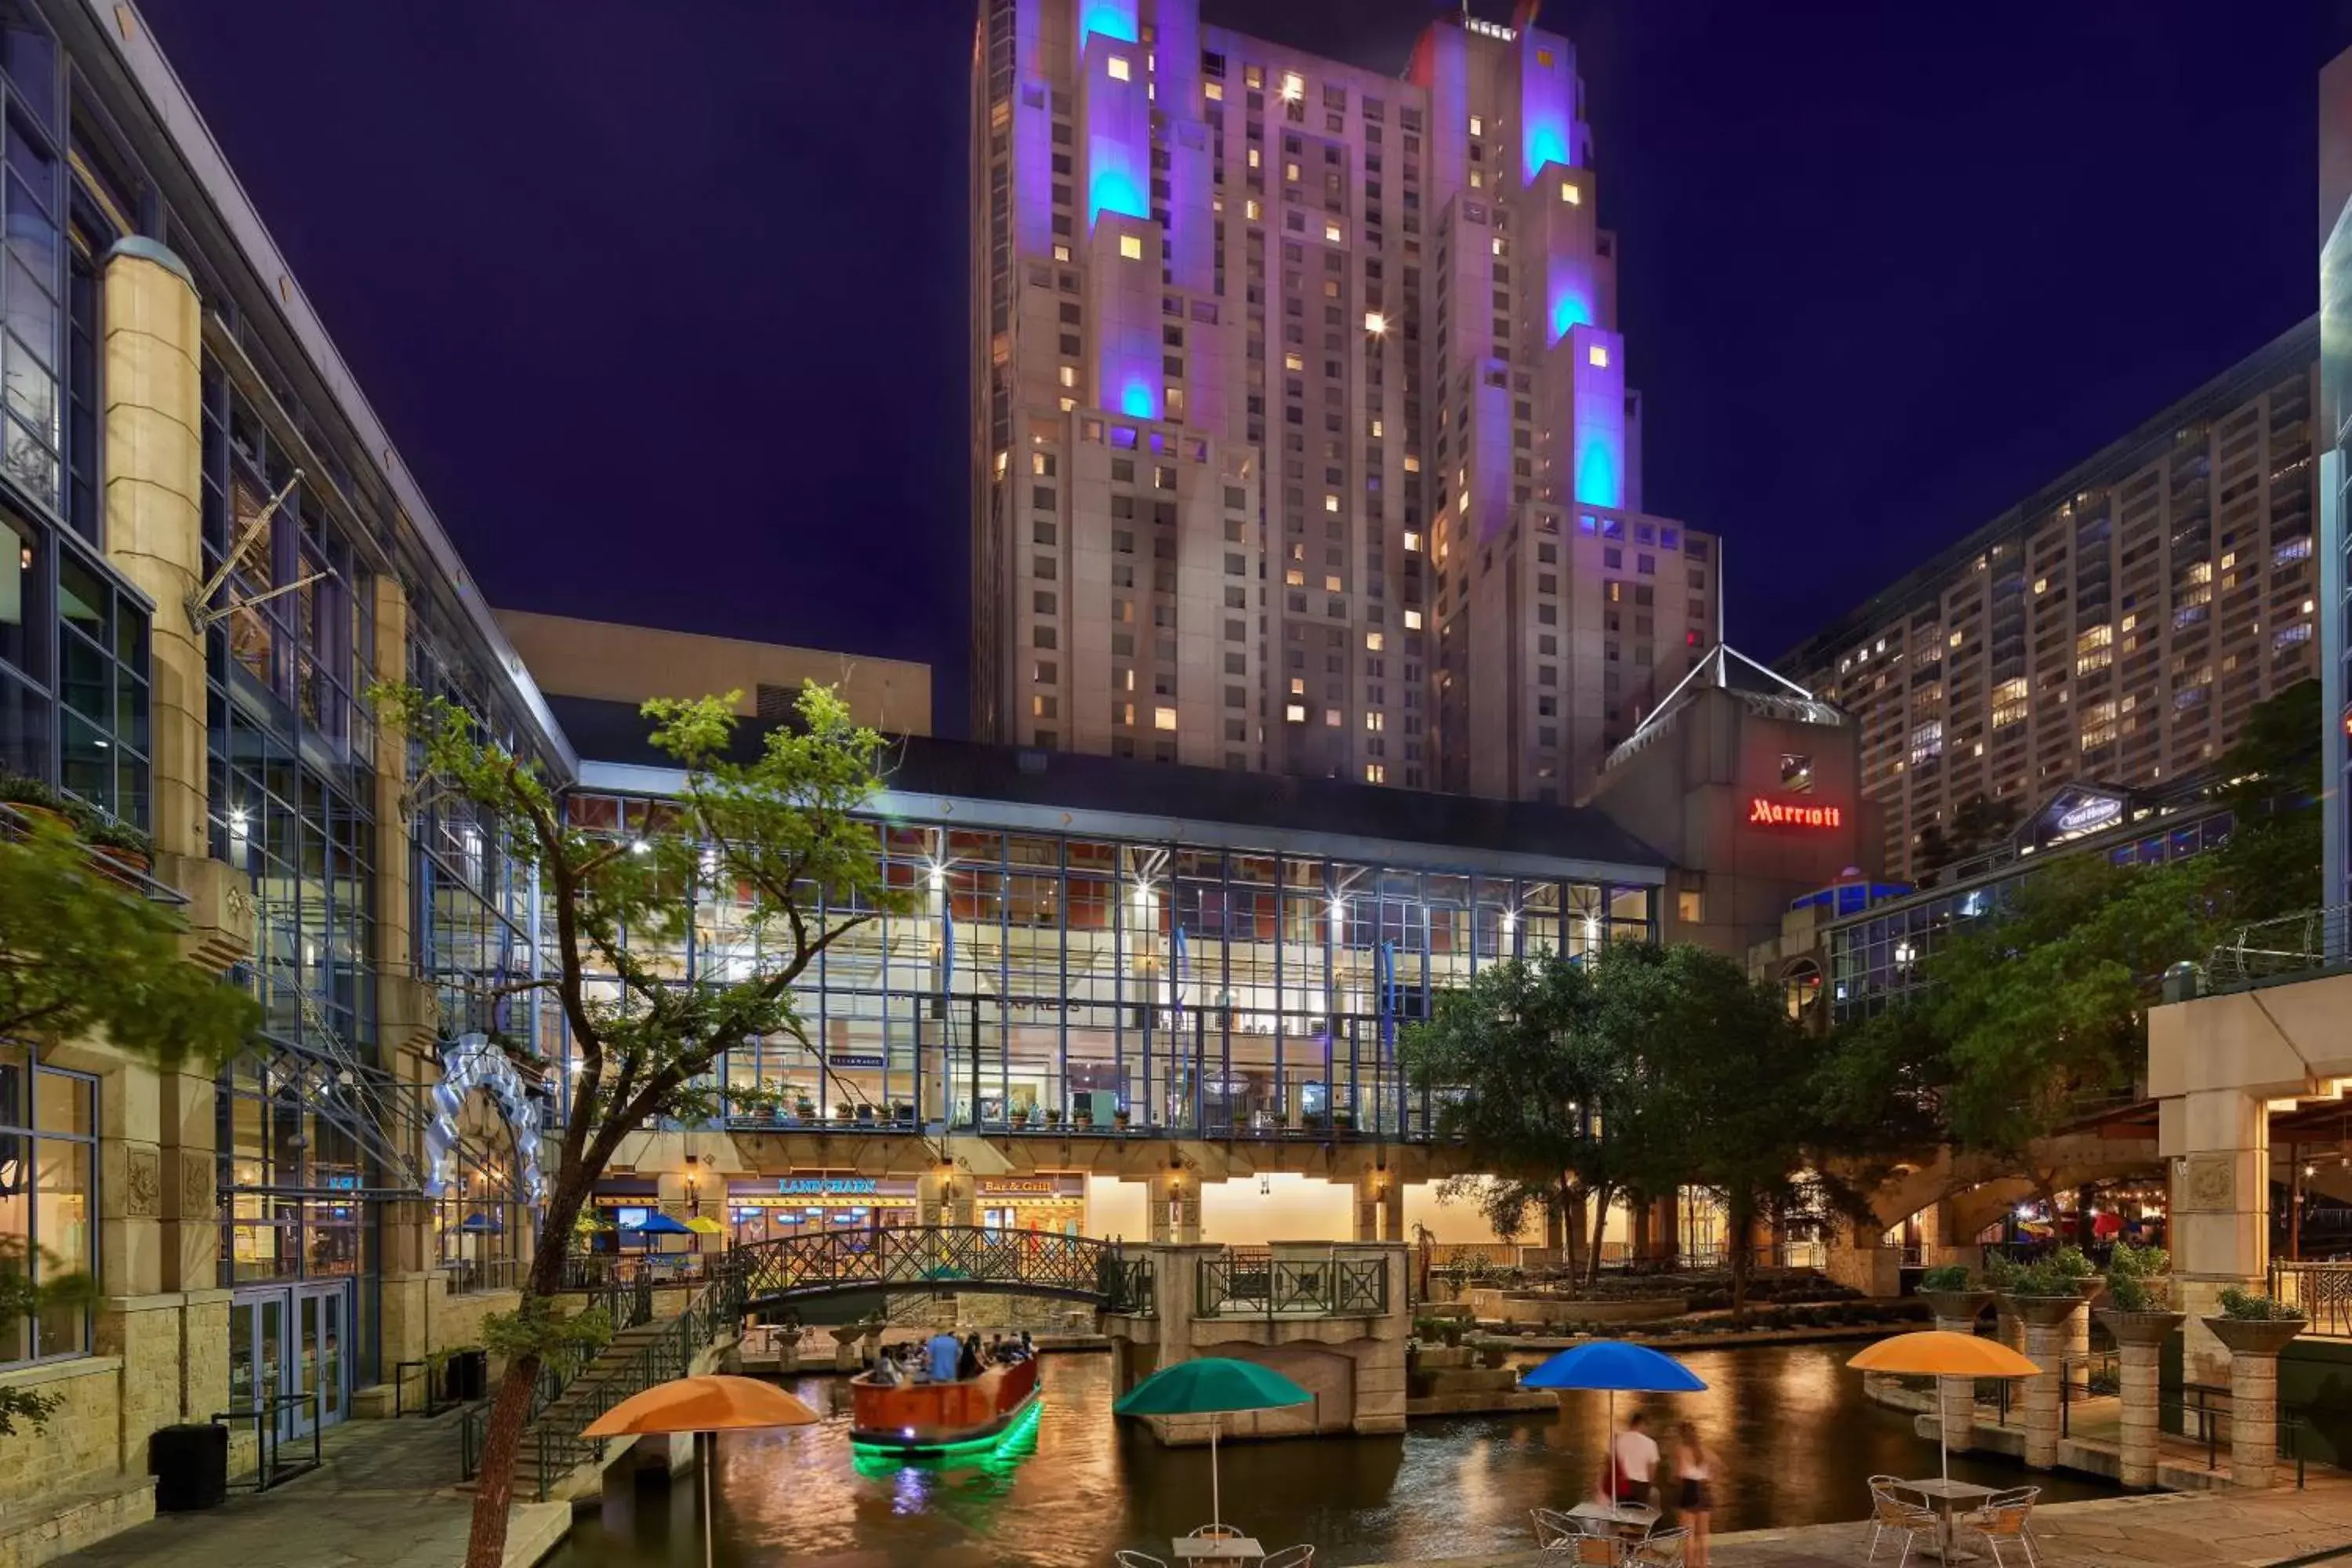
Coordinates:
column 1379, row 1205
column 2047, row 1331
column 2253, row 1348
column 154, row 522
column 943, row 1197
column 1174, row 1207
column 1956, row 1397
column 2139, row 1345
column 2218, row 1142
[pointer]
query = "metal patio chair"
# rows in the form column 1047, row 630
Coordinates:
column 1891, row 1511
column 2005, row 1517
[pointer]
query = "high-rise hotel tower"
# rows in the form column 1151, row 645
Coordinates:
column 1301, row 436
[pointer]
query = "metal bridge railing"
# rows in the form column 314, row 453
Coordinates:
column 2322, row 1291
column 2294, row 945
column 1249, row 1284
column 921, row 1257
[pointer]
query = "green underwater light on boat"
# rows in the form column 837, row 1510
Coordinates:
column 1022, row 1425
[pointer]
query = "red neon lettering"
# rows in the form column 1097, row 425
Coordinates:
column 1774, row 814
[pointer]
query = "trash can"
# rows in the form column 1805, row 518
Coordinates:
column 190, row 1464
column 469, row 1374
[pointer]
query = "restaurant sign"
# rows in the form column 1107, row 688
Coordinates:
column 1026, row 1187
column 825, row 1187
column 1788, row 813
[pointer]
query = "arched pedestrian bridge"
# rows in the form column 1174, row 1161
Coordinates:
column 938, row 1258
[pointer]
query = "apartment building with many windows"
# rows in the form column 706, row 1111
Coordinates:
column 1301, row 434
column 2113, row 629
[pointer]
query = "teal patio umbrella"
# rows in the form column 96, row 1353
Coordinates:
column 1210, row 1386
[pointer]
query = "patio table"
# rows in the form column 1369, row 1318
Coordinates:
column 1217, row 1549
column 1945, row 1497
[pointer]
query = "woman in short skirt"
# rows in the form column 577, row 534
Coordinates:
column 1695, row 1469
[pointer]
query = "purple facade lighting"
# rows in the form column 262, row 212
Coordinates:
column 1112, row 19
column 1597, row 377
column 1547, row 104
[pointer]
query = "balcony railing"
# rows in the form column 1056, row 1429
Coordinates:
column 1249, row 1284
column 1129, row 1286
column 2322, row 1291
column 472, row 1276
column 2307, row 943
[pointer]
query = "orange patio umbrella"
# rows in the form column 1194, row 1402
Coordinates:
column 715, row 1402
column 1938, row 1352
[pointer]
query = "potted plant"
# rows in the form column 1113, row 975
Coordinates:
column 2139, row 1289
column 1118, row 1118
column 122, row 844
column 1020, row 1116
column 1281, row 1121
column 2255, row 1324
column 844, row 1111
column 805, row 1108
column 1954, row 1297
column 1053, row 1116
column 1343, row 1120
column 866, row 1115
column 30, row 797
column 1083, row 1117
column 2039, row 1292
column 2073, row 1267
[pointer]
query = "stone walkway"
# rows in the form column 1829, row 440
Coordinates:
column 384, row 1497
column 2173, row 1529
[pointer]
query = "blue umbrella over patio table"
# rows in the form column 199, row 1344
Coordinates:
column 658, row 1223
column 1614, row 1365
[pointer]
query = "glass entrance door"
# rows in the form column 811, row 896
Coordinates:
column 257, row 1347
column 293, row 1341
column 321, row 1324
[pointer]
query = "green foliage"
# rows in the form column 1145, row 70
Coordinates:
column 2071, row 1262
column 22, row 1297
column 2247, row 1306
column 113, row 833
column 1948, row 1277
column 2271, row 865
column 537, row 1328
column 81, row 955
column 2130, row 1293
column 2138, row 1262
column 2042, row 1277
column 15, row 789
column 2001, row 1269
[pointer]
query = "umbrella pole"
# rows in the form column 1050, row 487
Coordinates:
column 710, row 1456
column 1943, row 1433
column 1216, row 1502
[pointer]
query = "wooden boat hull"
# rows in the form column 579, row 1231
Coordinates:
column 920, row 1418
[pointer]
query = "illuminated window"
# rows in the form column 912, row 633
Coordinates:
column 1294, row 578
column 1131, row 245
column 1957, row 638
column 1069, row 375
column 1252, row 75
column 1294, row 711
column 1412, row 464
column 1543, row 59
column 1331, row 584
column 1164, row 718
column 1477, row 125
column 1294, row 87
column 1331, row 503
column 1570, row 195
column 1412, row 542
column 1069, row 405
column 1376, row 773
column 1598, row 355
column 1290, row 173
column 1331, row 720
column 1375, row 323
column 1331, row 234
column 1119, row 68
column 1293, row 362
column 1413, row 620
column 1215, row 91
column 1498, row 245
column 1478, row 179
column 1299, row 686
column 1253, row 158
column 1375, row 641
column 1251, row 209
column 1375, row 720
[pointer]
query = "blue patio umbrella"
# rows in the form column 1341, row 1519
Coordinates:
column 660, row 1223
column 1613, row 1364
column 482, row 1224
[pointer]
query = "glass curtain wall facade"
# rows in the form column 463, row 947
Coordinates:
column 1062, row 980
column 1878, row 961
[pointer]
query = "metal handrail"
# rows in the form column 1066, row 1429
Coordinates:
column 922, row 1258
column 2323, row 1291
column 1129, row 1286
column 1263, row 1284
column 625, row 1304
column 270, row 1467
column 716, row 1309
column 2291, row 944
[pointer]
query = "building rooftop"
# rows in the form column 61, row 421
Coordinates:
column 613, row 733
column 2113, row 463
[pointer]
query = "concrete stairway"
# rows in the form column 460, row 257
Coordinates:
column 583, row 1400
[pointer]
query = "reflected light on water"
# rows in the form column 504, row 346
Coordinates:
column 1792, row 1436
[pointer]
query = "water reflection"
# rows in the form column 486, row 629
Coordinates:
column 1792, row 1435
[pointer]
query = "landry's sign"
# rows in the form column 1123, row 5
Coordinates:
column 825, row 1187
column 1762, row 812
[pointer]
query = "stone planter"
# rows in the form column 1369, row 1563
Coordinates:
column 2251, row 1336
column 1958, row 1306
column 2042, row 1311
column 2091, row 1287
column 2140, row 1328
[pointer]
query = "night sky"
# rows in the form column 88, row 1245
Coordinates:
column 663, row 301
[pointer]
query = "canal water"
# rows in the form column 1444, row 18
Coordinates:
column 1793, row 1437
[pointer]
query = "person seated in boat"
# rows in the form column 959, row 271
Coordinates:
column 944, row 1351
column 885, row 1370
column 968, row 1364
column 1028, row 1346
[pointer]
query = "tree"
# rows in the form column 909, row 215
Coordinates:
column 776, row 834
column 82, row 955
column 2045, row 1005
column 1510, row 1061
column 2270, row 782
